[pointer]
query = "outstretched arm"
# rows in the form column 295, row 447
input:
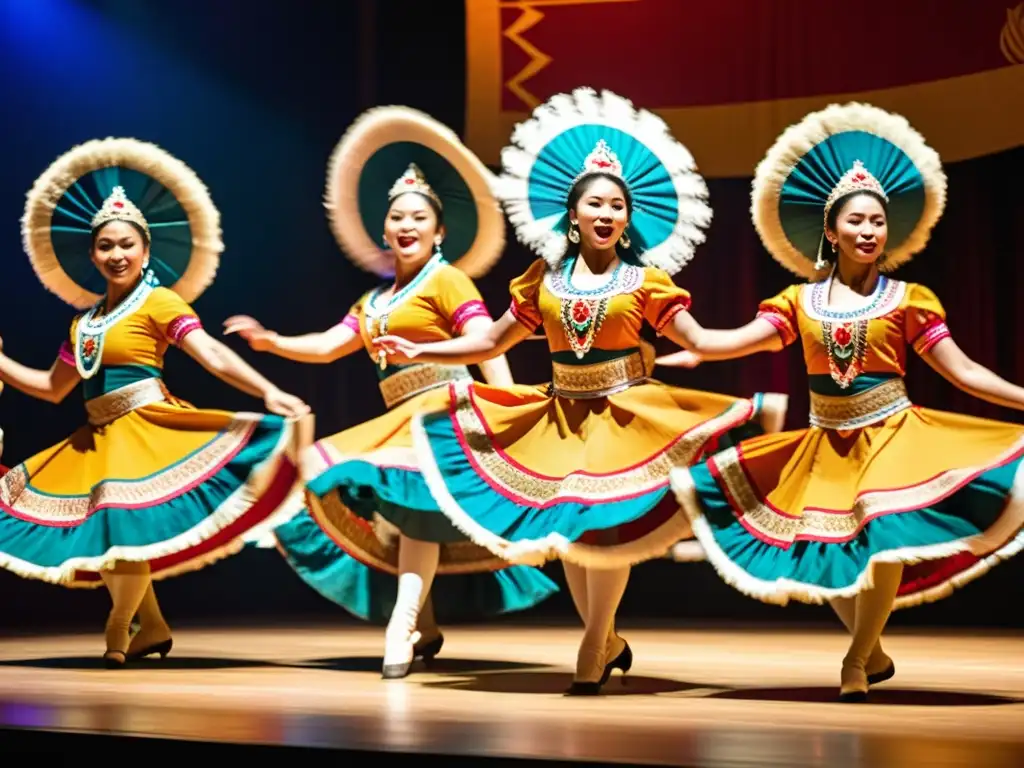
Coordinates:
column 51, row 385
column 953, row 364
column 321, row 347
column 495, row 370
column 504, row 334
column 227, row 366
column 759, row 335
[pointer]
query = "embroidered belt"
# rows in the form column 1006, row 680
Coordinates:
column 113, row 405
column 857, row 411
column 597, row 379
column 418, row 379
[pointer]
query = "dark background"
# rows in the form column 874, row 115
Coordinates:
column 253, row 95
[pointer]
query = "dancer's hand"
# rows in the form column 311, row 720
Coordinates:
column 398, row 350
column 285, row 405
column 250, row 329
column 681, row 359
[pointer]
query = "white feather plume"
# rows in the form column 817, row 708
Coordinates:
column 799, row 139
column 585, row 106
column 149, row 159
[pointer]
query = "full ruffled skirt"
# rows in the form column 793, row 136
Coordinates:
column 531, row 476
column 802, row 515
column 169, row 484
column 370, row 593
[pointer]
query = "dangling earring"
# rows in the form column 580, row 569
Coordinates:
column 574, row 233
column 437, row 248
column 834, row 248
column 625, row 241
column 384, row 239
column 820, row 263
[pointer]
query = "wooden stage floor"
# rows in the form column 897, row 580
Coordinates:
column 744, row 697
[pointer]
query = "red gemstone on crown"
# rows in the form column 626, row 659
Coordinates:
column 119, row 205
column 408, row 181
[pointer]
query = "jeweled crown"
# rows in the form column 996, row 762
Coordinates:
column 600, row 160
column 857, row 179
column 117, row 207
column 413, row 180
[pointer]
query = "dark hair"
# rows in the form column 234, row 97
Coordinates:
column 840, row 203
column 430, row 201
column 580, row 187
column 136, row 227
column 576, row 193
column 833, row 216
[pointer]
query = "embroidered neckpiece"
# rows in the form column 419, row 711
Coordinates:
column 91, row 331
column 583, row 311
column 376, row 316
column 845, row 333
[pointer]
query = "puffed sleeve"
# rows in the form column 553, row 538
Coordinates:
column 924, row 319
column 663, row 299
column 458, row 299
column 66, row 353
column 173, row 318
column 351, row 318
column 780, row 311
column 525, row 290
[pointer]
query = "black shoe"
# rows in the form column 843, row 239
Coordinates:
column 162, row 648
column 584, row 689
column 114, row 659
column 623, row 661
column 428, row 650
column 881, row 677
column 853, row 697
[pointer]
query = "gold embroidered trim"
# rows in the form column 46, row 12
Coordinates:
column 537, row 491
column 856, row 411
column 812, row 524
column 122, row 401
column 418, row 379
column 597, row 379
column 17, row 494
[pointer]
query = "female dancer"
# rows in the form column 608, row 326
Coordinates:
column 364, row 491
column 834, row 512
column 579, row 470
column 152, row 486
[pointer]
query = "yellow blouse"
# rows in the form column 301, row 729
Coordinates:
column 608, row 319
column 142, row 338
column 870, row 339
column 434, row 306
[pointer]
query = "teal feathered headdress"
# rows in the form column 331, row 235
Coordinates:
column 831, row 153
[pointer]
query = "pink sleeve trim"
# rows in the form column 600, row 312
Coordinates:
column 182, row 326
column 931, row 336
column 65, row 354
column 678, row 305
column 523, row 320
column 782, row 325
column 466, row 312
column 351, row 322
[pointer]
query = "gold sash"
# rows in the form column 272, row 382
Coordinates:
column 417, row 379
column 856, row 411
column 599, row 379
column 113, row 405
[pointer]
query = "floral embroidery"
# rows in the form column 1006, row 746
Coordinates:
column 846, row 344
column 582, row 319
